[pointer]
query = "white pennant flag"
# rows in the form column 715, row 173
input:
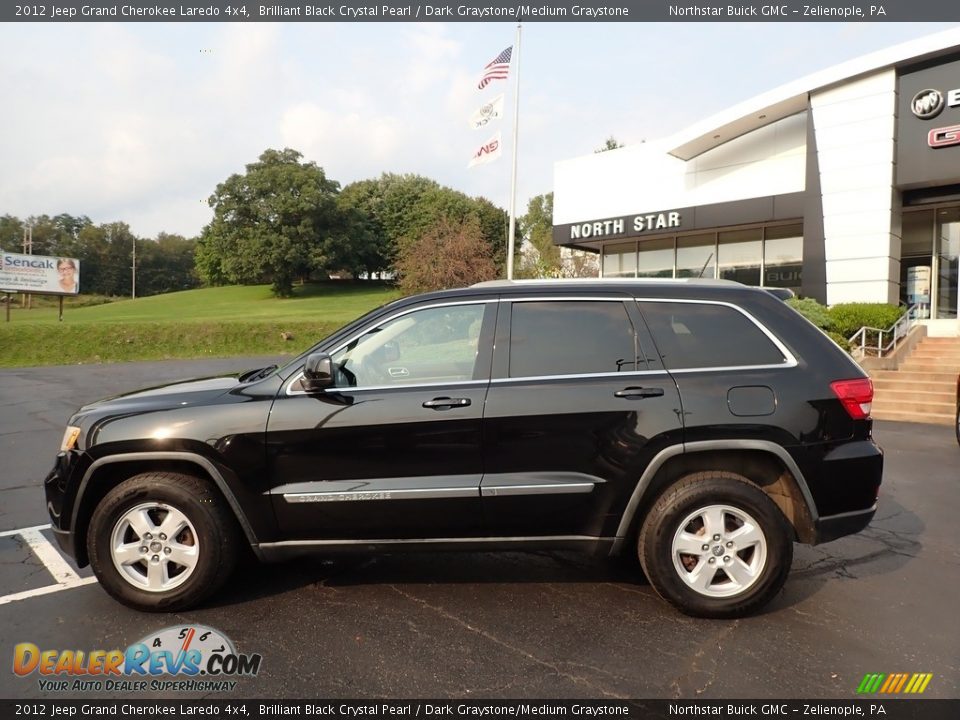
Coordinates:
column 488, row 152
column 487, row 113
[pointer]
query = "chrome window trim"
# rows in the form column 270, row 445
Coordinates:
column 790, row 361
column 576, row 376
column 373, row 388
column 406, row 311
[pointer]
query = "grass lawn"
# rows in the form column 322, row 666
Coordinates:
column 212, row 322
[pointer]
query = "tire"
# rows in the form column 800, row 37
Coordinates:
column 685, row 517
column 143, row 567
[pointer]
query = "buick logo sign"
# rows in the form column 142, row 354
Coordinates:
column 927, row 104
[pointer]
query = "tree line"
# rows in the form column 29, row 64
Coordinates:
column 164, row 263
column 283, row 221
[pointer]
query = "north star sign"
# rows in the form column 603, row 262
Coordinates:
column 617, row 226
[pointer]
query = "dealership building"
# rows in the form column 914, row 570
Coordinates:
column 843, row 186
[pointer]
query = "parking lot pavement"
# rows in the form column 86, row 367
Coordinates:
column 483, row 625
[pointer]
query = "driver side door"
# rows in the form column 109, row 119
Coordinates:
column 393, row 450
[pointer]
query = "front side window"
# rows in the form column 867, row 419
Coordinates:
column 571, row 337
column 433, row 345
column 700, row 335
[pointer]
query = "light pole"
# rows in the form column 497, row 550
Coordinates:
column 133, row 272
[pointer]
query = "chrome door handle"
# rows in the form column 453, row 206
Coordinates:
column 445, row 403
column 639, row 393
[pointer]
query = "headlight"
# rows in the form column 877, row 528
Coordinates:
column 70, row 436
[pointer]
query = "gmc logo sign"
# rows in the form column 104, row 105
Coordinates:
column 944, row 137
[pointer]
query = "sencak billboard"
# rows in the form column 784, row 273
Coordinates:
column 39, row 274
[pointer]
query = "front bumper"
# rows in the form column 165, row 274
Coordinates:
column 60, row 489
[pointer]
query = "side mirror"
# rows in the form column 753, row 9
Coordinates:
column 317, row 373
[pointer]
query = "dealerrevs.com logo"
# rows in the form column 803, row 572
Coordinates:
column 199, row 659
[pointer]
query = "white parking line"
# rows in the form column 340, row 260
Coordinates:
column 52, row 560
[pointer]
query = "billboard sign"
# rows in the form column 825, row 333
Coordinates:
column 39, row 274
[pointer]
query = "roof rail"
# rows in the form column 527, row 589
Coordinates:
column 630, row 281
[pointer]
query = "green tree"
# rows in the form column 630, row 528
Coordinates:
column 610, row 143
column 402, row 208
column 11, row 233
column 452, row 253
column 536, row 227
column 165, row 265
column 271, row 223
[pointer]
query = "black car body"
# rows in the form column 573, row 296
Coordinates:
column 600, row 415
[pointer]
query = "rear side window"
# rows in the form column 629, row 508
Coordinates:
column 698, row 335
column 571, row 337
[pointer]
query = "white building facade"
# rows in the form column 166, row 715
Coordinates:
column 843, row 186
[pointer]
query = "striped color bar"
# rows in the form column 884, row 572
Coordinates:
column 907, row 683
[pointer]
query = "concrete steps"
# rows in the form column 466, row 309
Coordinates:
column 924, row 388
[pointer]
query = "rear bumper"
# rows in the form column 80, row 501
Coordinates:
column 844, row 479
column 831, row 527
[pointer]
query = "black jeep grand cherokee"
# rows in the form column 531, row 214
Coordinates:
column 704, row 425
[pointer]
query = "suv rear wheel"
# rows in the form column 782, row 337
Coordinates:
column 162, row 541
column 714, row 545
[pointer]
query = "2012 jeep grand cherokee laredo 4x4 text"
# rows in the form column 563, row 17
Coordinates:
column 704, row 425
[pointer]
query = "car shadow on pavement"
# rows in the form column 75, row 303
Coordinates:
column 256, row 581
column 891, row 541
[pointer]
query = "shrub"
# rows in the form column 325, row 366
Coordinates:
column 849, row 317
column 813, row 311
column 840, row 340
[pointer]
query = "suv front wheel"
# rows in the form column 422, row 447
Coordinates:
column 714, row 545
column 162, row 541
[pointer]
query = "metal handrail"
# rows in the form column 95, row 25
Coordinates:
column 898, row 331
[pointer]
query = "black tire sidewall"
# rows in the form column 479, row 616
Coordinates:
column 148, row 489
column 717, row 489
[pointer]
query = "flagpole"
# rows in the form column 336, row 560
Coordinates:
column 513, row 172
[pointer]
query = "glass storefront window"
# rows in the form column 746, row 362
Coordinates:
column 696, row 256
column 948, row 259
column 620, row 260
column 783, row 257
column 767, row 256
column 916, row 261
column 738, row 255
column 656, row 259
column 917, row 234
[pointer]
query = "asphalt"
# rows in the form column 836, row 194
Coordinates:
column 516, row 625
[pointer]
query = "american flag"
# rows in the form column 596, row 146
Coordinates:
column 497, row 69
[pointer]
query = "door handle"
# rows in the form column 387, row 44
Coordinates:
column 639, row 393
column 445, row 403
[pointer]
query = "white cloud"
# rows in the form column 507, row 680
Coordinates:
column 139, row 121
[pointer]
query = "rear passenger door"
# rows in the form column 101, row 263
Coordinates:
column 578, row 405
column 731, row 370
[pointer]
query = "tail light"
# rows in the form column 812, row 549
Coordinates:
column 856, row 396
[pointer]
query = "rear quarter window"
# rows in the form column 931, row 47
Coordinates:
column 705, row 335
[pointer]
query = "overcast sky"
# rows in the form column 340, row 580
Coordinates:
column 138, row 122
